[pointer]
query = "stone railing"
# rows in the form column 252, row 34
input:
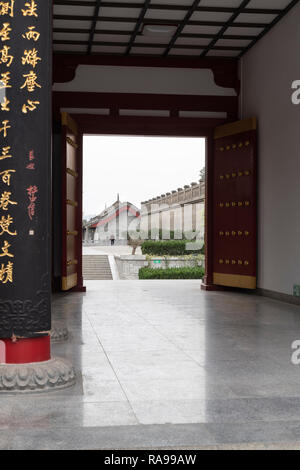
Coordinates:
column 129, row 265
column 189, row 194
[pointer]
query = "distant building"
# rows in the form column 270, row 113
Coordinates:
column 180, row 211
column 112, row 223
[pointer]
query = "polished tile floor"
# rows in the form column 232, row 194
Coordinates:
column 164, row 364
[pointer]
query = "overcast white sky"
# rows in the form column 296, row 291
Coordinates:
column 138, row 168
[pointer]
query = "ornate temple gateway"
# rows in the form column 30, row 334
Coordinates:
column 142, row 68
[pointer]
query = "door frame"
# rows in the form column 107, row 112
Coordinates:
column 155, row 127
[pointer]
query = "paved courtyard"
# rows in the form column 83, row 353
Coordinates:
column 163, row 364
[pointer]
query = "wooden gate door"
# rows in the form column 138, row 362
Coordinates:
column 71, row 211
column 235, row 205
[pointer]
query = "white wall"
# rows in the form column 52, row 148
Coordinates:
column 268, row 71
column 108, row 79
column 158, row 80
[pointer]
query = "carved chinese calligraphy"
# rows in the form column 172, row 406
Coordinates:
column 5, row 57
column 5, row 200
column 5, row 80
column 30, row 81
column 6, row 273
column 5, row 250
column 30, row 58
column 31, row 9
column 7, row 8
column 30, row 106
column 5, row 223
column 5, row 32
column 31, row 34
column 25, row 166
column 5, row 153
column 31, row 191
column 5, row 104
column 31, row 164
column 6, row 175
column 5, row 127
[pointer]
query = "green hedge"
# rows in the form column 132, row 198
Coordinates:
column 170, row 247
column 171, row 273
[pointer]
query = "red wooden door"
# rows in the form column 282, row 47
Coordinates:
column 71, row 218
column 235, row 205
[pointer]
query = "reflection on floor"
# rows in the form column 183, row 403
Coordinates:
column 164, row 364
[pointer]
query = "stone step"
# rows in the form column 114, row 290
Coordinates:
column 96, row 267
column 94, row 256
column 95, row 264
column 105, row 276
column 98, row 278
column 91, row 273
column 100, row 261
column 98, row 274
column 95, row 261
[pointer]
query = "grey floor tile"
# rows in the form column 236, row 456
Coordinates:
column 141, row 338
column 266, row 388
column 276, row 408
column 6, row 439
column 96, row 389
column 192, row 411
column 178, row 389
column 253, row 432
column 193, row 368
column 151, row 365
column 117, row 437
column 6, row 409
column 83, row 414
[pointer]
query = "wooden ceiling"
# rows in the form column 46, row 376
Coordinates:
column 201, row 28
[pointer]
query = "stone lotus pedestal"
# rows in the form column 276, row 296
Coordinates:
column 26, row 366
column 59, row 333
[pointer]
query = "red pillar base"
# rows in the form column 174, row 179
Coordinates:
column 26, row 367
column 27, row 350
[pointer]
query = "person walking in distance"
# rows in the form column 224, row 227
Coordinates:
column 112, row 240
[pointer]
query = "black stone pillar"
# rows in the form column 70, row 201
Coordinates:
column 25, row 182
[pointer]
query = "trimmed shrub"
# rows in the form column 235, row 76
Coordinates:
column 171, row 273
column 170, row 247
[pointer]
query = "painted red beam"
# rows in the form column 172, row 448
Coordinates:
column 147, row 101
column 155, row 126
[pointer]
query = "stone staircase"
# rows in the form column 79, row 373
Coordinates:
column 96, row 267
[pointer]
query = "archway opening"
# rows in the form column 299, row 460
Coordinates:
column 143, row 199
